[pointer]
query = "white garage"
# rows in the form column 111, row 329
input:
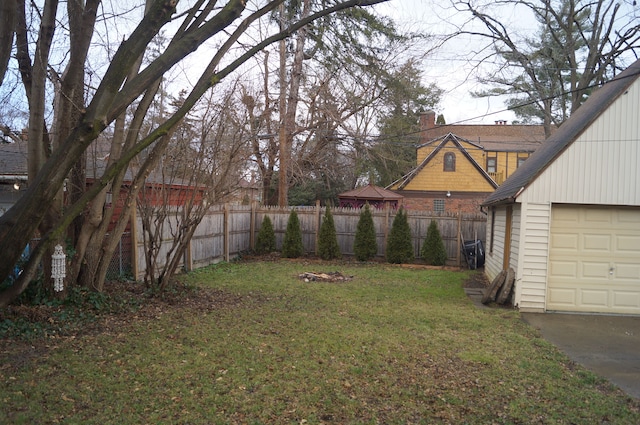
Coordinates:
column 567, row 221
column 594, row 259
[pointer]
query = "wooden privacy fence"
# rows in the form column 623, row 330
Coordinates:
column 227, row 231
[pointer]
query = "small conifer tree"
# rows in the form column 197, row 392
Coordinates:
column 292, row 243
column 328, row 248
column 399, row 246
column 433, row 250
column 365, row 246
column 266, row 240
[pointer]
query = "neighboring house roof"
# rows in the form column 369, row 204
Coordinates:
column 13, row 164
column 371, row 192
column 490, row 137
column 98, row 158
column 568, row 132
column 406, row 179
column 13, row 160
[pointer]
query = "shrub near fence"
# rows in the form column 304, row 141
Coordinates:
column 227, row 231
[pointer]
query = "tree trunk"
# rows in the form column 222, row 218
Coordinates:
column 8, row 16
column 284, row 151
column 94, row 247
column 288, row 122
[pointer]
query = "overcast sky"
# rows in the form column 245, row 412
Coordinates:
column 451, row 67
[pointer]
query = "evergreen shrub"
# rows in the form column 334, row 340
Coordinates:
column 365, row 246
column 266, row 240
column 292, row 243
column 399, row 246
column 433, row 250
column 328, row 248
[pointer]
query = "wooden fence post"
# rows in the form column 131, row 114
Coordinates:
column 459, row 250
column 134, row 239
column 317, row 244
column 386, row 229
column 188, row 256
column 226, row 233
column 252, row 226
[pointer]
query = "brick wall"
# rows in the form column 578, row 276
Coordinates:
column 464, row 203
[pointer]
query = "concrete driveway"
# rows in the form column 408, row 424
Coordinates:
column 606, row 345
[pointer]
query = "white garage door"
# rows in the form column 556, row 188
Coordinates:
column 594, row 260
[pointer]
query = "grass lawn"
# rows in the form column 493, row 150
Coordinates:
column 254, row 344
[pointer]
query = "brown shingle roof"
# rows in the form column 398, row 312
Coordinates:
column 492, row 137
column 370, row 192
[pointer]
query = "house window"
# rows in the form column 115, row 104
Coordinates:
column 492, row 165
column 493, row 228
column 520, row 161
column 449, row 161
column 438, row 205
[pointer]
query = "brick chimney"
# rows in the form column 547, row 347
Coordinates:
column 427, row 120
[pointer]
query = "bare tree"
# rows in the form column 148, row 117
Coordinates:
column 264, row 144
column 341, row 53
column 579, row 45
column 201, row 166
column 116, row 91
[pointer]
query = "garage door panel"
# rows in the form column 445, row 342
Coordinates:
column 624, row 299
column 627, row 271
column 565, row 216
column 594, row 259
column 626, row 244
column 596, row 244
column 596, row 217
column 563, row 268
column 562, row 297
column 629, row 216
column 594, row 269
column 565, row 241
column 594, row 298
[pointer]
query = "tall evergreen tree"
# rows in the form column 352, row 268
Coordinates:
column 328, row 248
column 292, row 244
column 394, row 154
column 433, row 250
column 399, row 246
column 365, row 246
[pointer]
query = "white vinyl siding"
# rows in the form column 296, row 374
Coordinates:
column 515, row 237
column 602, row 165
column 531, row 278
column 493, row 260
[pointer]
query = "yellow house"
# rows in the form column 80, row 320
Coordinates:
column 458, row 166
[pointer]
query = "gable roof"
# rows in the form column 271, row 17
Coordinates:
column 406, row 179
column 568, row 132
column 370, row 192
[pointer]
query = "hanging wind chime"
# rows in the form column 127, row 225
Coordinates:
column 58, row 272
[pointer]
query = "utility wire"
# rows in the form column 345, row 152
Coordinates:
column 521, row 105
